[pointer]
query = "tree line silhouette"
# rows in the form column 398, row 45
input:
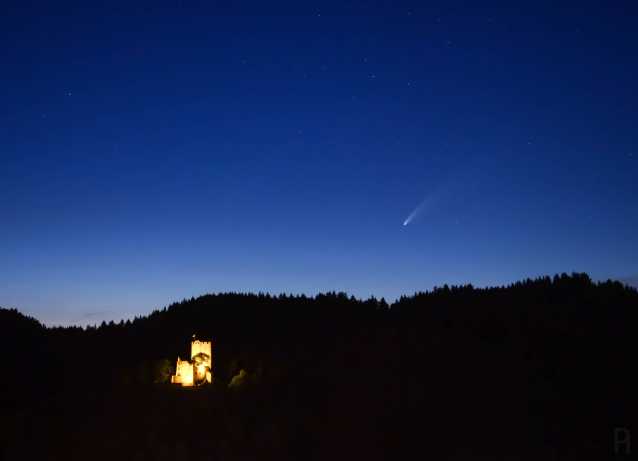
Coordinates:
column 541, row 367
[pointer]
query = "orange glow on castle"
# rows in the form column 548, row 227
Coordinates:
column 197, row 371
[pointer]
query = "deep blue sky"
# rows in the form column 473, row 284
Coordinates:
column 150, row 153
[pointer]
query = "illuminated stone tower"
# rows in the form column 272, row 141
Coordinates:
column 202, row 347
column 203, row 364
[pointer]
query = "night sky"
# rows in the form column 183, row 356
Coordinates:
column 161, row 151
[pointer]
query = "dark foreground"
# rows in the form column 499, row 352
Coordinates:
column 539, row 370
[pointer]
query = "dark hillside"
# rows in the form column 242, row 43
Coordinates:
column 541, row 368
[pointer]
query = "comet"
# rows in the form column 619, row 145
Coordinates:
column 437, row 195
column 425, row 203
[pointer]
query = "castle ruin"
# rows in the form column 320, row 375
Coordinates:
column 197, row 371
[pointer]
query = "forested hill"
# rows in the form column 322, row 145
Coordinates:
column 252, row 328
column 544, row 361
